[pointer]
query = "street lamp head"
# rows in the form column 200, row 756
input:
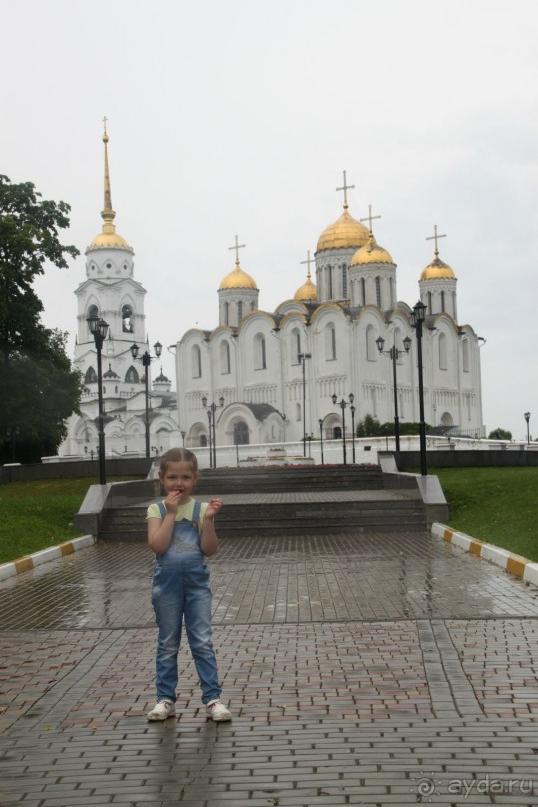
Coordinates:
column 380, row 342
column 221, row 400
column 102, row 328
column 157, row 347
column 527, row 416
column 204, row 401
column 352, row 409
column 320, row 421
column 334, row 398
column 407, row 344
column 419, row 312
column 134, row 350
column 93, row 324
column 351, row 397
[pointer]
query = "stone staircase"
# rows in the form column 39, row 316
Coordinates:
column 285, row 501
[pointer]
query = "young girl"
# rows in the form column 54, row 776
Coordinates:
column 181, row 531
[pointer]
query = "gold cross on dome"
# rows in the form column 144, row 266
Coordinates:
column 105, row 120
column 237, row 246
column 345, row 187
column 308, row 261
column 435, row 237
column 369, row 218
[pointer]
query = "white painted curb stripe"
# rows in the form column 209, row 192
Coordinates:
column 28, row 562
column 515, row 564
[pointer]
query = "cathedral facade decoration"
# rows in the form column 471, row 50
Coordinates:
column 251, row 359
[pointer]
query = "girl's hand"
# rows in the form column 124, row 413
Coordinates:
column 172, row 501
column 213, row 508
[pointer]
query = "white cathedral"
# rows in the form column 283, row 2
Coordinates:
column 249, row 365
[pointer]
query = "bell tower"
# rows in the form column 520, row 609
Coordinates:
column 110, row 292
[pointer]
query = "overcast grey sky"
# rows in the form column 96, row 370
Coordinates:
column 239, row 116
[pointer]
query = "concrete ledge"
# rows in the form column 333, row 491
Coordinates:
column 515, row 564
column 28, row 562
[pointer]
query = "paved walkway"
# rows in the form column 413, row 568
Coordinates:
column 379, row 669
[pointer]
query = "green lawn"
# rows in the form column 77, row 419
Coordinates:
column 35, row 515
column 497, row 505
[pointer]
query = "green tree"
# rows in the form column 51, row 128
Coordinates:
column 39, row 388
column 500, row 434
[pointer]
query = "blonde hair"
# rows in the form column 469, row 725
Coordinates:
column 178, row 455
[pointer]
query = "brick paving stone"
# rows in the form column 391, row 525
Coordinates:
column 353, row 669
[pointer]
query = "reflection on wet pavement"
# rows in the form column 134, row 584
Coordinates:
column 273, row 580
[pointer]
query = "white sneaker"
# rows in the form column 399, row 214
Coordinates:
column 217, row 711
column 162, row 710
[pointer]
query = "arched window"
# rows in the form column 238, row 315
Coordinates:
column 371, row 347
column 90, row 376
column 430, row 310
column 295, row 346
column 226, row 313
column 442, row 351
column 131, row 376
column 239, row 311
column 443, row 301
column 329, row 273
column 465, row 355
column 126, row 319
column 363, row 291
column 224, row 357
column 298, row 411
column 196, row 359
column 241, row 433
column 344, row 281
column 260, row 358
column 391, row 286
column 378, row 291
column 454, row 312
column 330, row 342
column 93, row 311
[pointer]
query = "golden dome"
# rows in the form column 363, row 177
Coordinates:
column 307, row 293
column 371, row 253
column 237, row 279
column 345, row 232
column 109, row 240
column 438, row 270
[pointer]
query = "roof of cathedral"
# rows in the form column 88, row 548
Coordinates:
column 344, row 232
column 108, row 238
column 162, row 378
column 437, row 270
column 371, row 253
column 261, row 411
column 237, row 279
column 110, row 372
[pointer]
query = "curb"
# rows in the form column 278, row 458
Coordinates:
column 515, row 564
column 28, row 562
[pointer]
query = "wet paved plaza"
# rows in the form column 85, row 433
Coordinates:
column 372, row 669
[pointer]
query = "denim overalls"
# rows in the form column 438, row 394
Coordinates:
column 181, row 589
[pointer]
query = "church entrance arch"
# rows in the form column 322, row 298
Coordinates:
column 241, row 433
column 197, row 435
column 447, row 419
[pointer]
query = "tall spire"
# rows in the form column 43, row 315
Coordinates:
column 108, row 214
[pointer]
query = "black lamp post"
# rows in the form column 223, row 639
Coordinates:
column 342, row 404
column 394, row 354
column 302, row 358
column 211, row 409
column 320, row 421
column 99, row 329
column 352, row 408
column 527, row 416
column 417, row 318
column 146, row 360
